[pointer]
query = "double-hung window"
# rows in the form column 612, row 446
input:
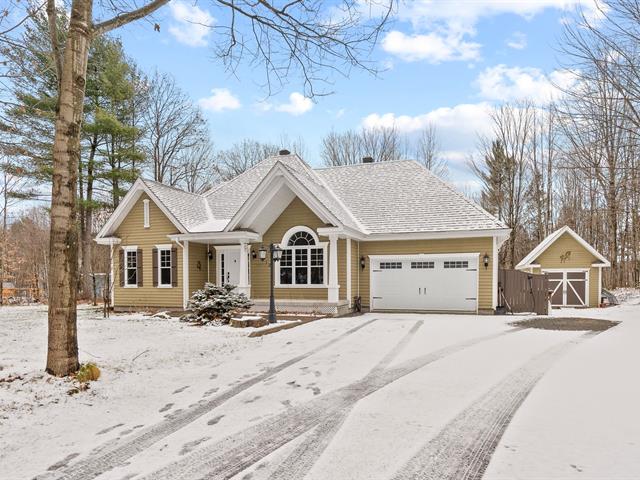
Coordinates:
column 303, row 260
column 164, row 267
column 131, row 268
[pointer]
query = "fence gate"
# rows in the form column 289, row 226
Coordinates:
column 522, row 292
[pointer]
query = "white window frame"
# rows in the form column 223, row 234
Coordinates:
column 318, row 245
column 127, row 250
column 146, row 220
column 160, row 249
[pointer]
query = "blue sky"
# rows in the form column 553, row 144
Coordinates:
column 446, row 63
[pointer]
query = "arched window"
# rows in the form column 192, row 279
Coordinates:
column 303, row 259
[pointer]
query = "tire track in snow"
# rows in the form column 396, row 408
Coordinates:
column 231, row 455
column 463, row 449
column 117, row 452
column 301, row 460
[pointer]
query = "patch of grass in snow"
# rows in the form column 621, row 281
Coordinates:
column 572, row 324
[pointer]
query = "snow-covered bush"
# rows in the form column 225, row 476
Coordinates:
column 216, row 305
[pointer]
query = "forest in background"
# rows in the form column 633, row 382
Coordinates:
column 572, row 161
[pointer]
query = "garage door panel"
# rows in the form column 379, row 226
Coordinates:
column 423, row 283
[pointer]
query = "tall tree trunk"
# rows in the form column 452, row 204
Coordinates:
column 62, row 357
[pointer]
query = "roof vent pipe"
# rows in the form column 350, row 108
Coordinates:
column 284, row 152
column 367, row 159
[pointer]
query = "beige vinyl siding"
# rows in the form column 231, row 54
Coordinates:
column 411, row 247
column 355, row 269
column 296, row 214
column 197, row 266
column 342, row 269
column 132, row 232
column 580, row 258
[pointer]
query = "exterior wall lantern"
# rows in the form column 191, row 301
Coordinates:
column 485, row 260
column 363, row 262
column 276, row 254
column 209, row 254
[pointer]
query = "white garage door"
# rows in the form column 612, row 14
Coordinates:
column 425, row 282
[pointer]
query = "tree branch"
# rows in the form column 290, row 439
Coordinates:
column 52, row 17
column 128, row 17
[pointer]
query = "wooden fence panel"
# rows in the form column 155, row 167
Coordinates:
column 522, row 292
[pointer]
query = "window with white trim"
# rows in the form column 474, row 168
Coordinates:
column 303, row 259
column 131, row 268
column 164, row 267
column 145, row 204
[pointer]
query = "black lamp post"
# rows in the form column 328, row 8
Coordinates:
column 276, row 253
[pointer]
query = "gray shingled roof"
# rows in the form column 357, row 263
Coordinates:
column 383, row 197
column 188, row 208
column 403, row 196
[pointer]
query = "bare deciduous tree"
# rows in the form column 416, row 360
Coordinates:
column 428, row 151
column 242, row 156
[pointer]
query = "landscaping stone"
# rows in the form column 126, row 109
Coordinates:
column 248, row 321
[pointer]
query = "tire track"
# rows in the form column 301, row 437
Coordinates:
column 301, row 460
column 235, row 453
column 463, row 449
column 117, row 452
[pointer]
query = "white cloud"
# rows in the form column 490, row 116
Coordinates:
column 502, row 83
column 191, row 25
column 517, row 41
column 297, row 105
column 466, row 119
column 443, row 29
column 464, row 18
column 222, row 99
column 432, row 47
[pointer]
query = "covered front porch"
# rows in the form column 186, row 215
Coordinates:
column 308, row 277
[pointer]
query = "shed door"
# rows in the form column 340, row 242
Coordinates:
column 438, row 283
column 569, row 288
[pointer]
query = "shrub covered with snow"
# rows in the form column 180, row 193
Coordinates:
column 216, row 305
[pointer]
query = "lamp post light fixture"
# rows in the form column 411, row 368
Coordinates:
column 276, row 254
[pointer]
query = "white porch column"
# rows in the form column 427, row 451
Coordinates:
column 185, row 273
column 494, row 281
column 243, row 278
column 334, row 288
column 112, row 279
column 349, row 271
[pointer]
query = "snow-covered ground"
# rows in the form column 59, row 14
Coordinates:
column 376, row 397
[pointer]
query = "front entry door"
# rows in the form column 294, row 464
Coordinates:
column 229, row 266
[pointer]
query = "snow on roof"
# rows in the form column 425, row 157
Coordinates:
column 383, row 197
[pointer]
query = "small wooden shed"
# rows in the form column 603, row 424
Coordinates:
column 574, row 268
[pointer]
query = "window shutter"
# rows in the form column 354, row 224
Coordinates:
column 154, row 256
column 121, row 268
column 139, row 263
column 174, row 267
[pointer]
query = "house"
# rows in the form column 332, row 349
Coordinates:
column 391, row 233
column 574, row 268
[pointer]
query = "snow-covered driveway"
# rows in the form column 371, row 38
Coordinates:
column 373, row 397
